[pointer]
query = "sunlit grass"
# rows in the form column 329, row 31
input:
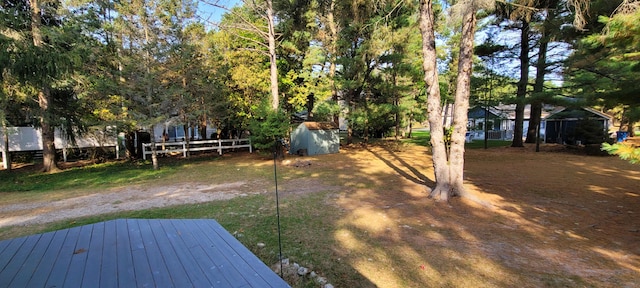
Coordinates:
column 93, row 176
column 422, row 138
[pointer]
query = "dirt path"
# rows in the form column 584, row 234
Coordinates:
column 118, row 199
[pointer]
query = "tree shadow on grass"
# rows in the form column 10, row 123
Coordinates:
column 400, row 166
column 395, row 237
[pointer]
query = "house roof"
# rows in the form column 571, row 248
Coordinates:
column 320, row 125
column 509, row 110
column 492, row 110
column 568, row 113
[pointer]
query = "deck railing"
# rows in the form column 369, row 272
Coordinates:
column 196, row 145
column 492, row 135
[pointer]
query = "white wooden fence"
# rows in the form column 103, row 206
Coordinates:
column 196, row 145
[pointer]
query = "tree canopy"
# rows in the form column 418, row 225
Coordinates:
column 82, row 64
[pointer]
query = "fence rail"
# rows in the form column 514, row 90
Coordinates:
column 196, row 145
column 492, row 135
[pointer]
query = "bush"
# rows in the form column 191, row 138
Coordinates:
column 267, row 128
column 590, row 132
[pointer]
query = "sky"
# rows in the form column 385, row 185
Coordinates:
column 212, row 14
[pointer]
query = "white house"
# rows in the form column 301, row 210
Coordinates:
column 30, row 139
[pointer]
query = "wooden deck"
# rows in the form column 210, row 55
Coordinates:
column 134, row 253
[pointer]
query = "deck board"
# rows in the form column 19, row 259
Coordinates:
column 77, row 266
column 62, row 261
column 155, row 259
column 140, row 258
column 3, row 245
column 201, row 254
column 177, row 272
column 134, row 253
column 218, row 260
column 184, row 257
column 47, row 261
column 108, row 271
column 11, row 272
column 93, row 261
column 27, row 262
column 259, row 275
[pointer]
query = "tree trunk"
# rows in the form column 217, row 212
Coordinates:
column 434, row 109
column 275, row 100
column 44, row 98
column 7, row 153
column 533, row 133
column 187, row 137
column 154, row 152
column 48, row 132
column 333, row 40
column 203, row 127
column 149, row 96
column 348, row 109
column 522, row 85
column 396, row 104
column 534, row 121
column 463, row 91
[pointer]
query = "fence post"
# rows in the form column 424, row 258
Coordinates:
column 144, row 151
column 5, row 163
column 250, row 146
column 219, row 147
column 184, row 149
column 64, row 154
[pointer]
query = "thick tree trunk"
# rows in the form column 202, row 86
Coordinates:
column 534, row 121
column 203, row 127
column 533, row 133
column 333, row 42
column 463, row 91
column 48, row 132
column 44, row 98
column 522, row 85
column 275, row 98
column 434, row 108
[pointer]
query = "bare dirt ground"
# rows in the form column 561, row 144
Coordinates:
column 118, row 199
column 551, row 213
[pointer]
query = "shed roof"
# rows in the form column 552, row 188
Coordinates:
column 566, row 113
column 320, row 125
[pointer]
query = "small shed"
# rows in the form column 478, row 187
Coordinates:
column 314, row 138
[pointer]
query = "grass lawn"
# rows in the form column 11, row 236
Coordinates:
column 361, row 218
column 422, row 138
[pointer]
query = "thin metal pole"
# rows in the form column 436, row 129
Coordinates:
column 275, row 176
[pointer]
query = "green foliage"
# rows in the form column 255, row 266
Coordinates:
column 624, row 151
column 589, row 132
column 605, row 66
column 324, row 110
column 268, row 127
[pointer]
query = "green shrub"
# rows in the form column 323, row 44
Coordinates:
column 268, row 128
